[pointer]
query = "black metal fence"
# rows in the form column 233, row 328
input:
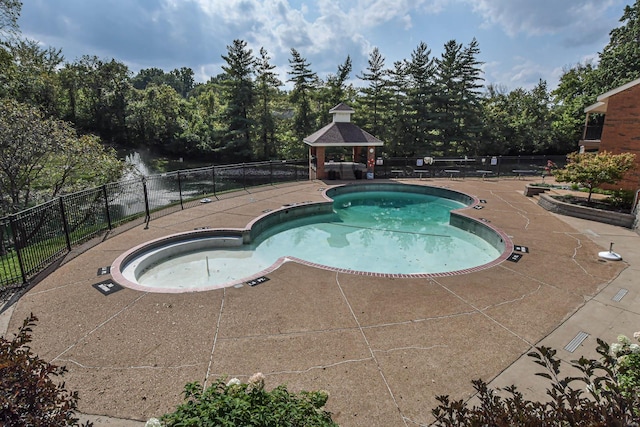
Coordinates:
column 481, row 166
column 34, row 239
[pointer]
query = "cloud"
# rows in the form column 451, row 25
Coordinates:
column 579, row 22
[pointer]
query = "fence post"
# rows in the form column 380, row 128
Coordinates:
column 146, row 203
column 244, row 178
column 180, row 191
column 270, row 172
column 16, row 245
column 499, row 158
column 295, row 171
column 64, row 224
column 213, row 177
column 106, row 206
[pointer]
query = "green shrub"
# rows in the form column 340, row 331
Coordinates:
column 605, row 394
column 28, row 395
column 238, row 404
column 622, row 199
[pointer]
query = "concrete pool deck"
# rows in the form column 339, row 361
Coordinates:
column 384, row 348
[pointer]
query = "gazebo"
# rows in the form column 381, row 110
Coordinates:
column 341, row 133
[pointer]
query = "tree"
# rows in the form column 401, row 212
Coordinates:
column 34, row 75
column 302, row 78
column 267, row 84
column 102, row 92
column 591, row 170
column 398, row 134
column 41, row 158
column 578, row 87
column 9, row 14
column 375, row 96
column 620, row 58
column 334, row 91
column 239, row 96
column 154, row 115
column 420, row 95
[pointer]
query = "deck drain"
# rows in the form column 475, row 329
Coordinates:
column 621, row 293
column 514, row 257
column 257, row 281
column 107, row 287
column 576, row 341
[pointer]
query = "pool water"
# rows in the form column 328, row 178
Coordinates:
column 377, row 232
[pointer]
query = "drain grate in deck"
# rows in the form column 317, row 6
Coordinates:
column 621, row 293
column 576, row 341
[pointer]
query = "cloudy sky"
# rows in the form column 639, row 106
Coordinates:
column 521, row 41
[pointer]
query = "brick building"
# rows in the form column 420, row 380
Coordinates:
column 613, row 125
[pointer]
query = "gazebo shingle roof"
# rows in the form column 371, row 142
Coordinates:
column 341, row 134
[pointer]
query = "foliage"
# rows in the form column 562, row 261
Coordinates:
column 596, row 397
column 9, row 14
column 28, row 394
column 620, row 58
column 239, row 95
column 42, row 158
column 627, row 357
column 591, row 170
column 303, row 84
column 239, row 404
column 418, row 106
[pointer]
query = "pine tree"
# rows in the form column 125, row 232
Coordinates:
column 303, row 86
column 267, row 84
column 239, row 96
column 375, row 96
column 420, row 96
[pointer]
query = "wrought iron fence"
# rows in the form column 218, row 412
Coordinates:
column 480, row 166
column 34, row 239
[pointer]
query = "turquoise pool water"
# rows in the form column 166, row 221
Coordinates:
column 378, row 232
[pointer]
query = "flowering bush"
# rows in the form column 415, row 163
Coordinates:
column 627, row 357
column 605, row 394
column 237, row 404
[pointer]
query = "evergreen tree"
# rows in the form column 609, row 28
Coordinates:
column 375, row 95
column 267, row 84
column 302, row 78
column 420, row 97
column 239, row 97
column 398, row 132
column 335, row 91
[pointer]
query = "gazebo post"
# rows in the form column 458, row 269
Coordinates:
column 355, row 153
column 371, row 159
column 320, row 163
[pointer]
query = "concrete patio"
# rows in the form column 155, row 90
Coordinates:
column 384, row 348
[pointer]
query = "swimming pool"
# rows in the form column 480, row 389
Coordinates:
column 382, row 229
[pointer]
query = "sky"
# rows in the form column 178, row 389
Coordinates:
column 521, row 41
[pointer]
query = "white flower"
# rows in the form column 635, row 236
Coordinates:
column 233, row 381
column 153, row 422
column 256, row 382
column 624, row 340
column 615, row 349
column 634, row 348
column 636, row 335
